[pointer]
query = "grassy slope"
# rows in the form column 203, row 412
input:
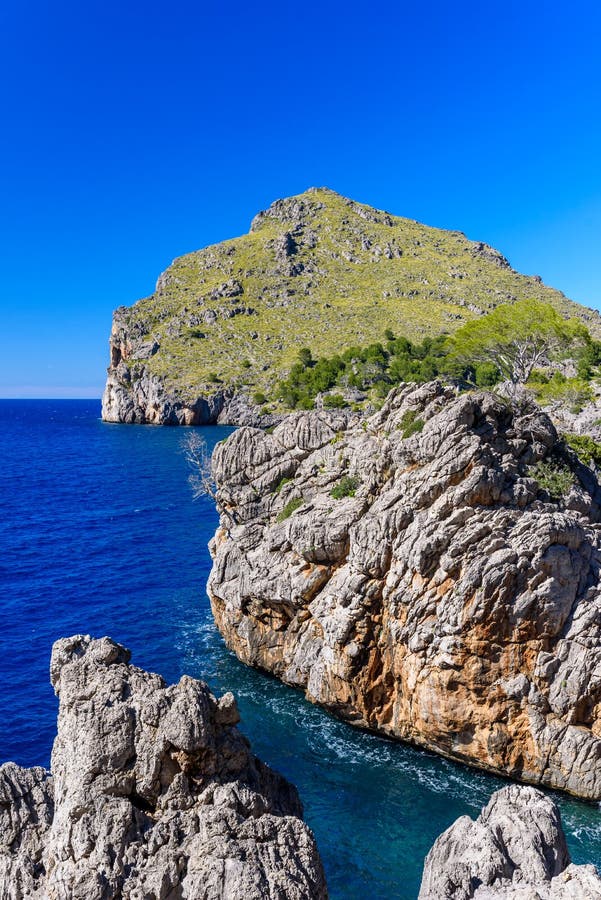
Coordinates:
column 349, row 292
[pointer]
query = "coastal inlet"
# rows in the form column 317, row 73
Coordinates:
column 100, row 535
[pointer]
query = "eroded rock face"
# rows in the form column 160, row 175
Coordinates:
column 515, row 850
column 135, row 396
column 26, row 809
column 443, row 598
column 154, row 794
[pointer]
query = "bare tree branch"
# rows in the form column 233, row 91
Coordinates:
column 198, row 457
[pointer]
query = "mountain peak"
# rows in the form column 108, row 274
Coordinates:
column 316, row 270
column 320, row 203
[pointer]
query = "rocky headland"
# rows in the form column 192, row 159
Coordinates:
column 224, row 324
column 430, row 573
column 515, row 850
column 153, row 793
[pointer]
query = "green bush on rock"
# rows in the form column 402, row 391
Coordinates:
column 346, row 487
column 588, row 450
column 290, row 507
column 556, row 387
column 411, row 423
column 334, row 401
column 554, row 477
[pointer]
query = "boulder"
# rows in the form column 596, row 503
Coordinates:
column 515, row 850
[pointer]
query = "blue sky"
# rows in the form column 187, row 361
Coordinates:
column 135, row 132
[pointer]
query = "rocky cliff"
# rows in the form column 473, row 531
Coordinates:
column 431, row 573
column 154, row 794
column 515, row 850
column 316, row 270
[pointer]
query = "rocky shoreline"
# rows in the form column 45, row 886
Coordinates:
column 133, row 395
column 154, row 793
column 411, row 574
column 429, row 573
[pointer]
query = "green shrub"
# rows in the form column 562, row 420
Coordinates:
column 305, row 357
column 283, row 482
column 381, row 389
column 290, row 507
column 588, row 450
column 334, row 401
column 486, row 374
column 246, row 364
column 362, row 368
column 554, row 477
column 411, row 423
column 538, row 376
column 259, row 398
column 573, row 391
column 589, row 360
column 346, row 487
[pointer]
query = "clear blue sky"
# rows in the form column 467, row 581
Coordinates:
column 134, row 132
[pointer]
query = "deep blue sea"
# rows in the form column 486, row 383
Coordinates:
column 99, row 534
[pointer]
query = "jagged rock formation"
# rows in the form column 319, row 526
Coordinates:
column 410, row 573
column 154, row 794
column 515, row 850
column 317, row 270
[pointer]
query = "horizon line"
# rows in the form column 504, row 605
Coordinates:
column 61, row 397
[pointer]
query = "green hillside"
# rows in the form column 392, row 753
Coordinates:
column 321, row 271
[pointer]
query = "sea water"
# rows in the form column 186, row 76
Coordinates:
column 99, row 534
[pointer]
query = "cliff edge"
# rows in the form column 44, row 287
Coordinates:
column 430, row 573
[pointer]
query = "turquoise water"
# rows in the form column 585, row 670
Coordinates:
column 99, row 534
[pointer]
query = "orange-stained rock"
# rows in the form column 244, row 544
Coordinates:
column 447, row 600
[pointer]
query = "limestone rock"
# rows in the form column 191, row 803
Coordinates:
column 154, row 794
column 410, row 574
column 515, row 850
column 26, row 808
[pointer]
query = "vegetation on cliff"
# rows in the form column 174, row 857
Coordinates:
column 515, row 338
column 320, row 271
column 505, row 345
